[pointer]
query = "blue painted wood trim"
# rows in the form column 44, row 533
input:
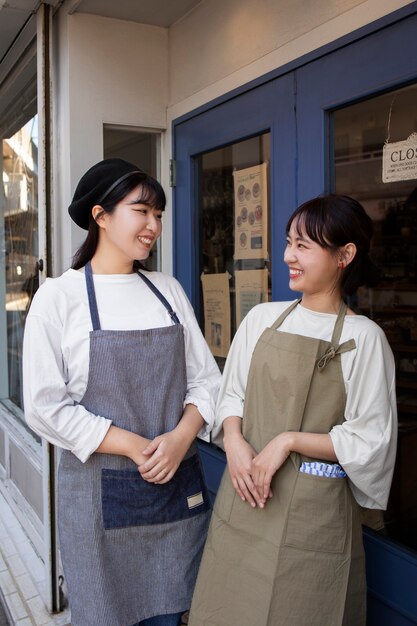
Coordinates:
column 367, row 67
column 268, row 108
column 391, row 573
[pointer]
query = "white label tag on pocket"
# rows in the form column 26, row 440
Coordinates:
column 195, row 500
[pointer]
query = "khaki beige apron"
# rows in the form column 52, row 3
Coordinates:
column 299, row 561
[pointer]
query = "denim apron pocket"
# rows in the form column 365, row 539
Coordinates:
column 128, row 500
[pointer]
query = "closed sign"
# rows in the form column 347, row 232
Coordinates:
column 399, row 160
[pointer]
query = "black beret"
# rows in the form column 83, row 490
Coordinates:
column 95, row 186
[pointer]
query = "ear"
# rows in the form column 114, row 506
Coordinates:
column 99, row 215
column 346, row 254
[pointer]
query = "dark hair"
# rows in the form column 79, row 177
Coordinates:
column 150, row 193
column 333, row 221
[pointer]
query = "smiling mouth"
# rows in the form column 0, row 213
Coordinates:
column 296, row 273
column 146, row 241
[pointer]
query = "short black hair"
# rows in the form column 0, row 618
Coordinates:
column 332, row 221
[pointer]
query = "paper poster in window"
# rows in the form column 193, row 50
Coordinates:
column 216, row 296
column 251, row 289
column 251, row 212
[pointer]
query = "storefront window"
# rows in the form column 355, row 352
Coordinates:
column 19, row 250
column 234, row 244
column 360, row 132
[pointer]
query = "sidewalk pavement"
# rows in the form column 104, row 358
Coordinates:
column 22, row 576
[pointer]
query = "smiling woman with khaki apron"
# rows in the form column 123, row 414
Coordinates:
column 308, row 415
column 118, row 374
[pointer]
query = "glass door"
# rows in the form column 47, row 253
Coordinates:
column 367, row 74
column 216, row 228
column 359, row 132
column 314, row 149
column 234, row 238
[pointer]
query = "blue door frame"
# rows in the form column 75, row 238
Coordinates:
column 293, row 104
column 269, row 107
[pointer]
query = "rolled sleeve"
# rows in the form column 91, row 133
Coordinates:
column 203, row 375
column 49, row 409
column 365, row 444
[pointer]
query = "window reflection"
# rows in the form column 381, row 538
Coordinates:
column 360, row 132
column 233, row 233
column 20, row 252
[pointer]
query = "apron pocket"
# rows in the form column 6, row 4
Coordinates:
column 317, row 518
column 128, row 500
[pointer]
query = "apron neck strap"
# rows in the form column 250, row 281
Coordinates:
column 337, row 331
column 92, row 301
column 284, row 314
column 334, row 347
column 160, row 297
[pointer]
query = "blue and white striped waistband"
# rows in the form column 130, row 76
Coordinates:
column 317, row 468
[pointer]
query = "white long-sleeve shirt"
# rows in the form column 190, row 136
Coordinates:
column 365, row 444
column 56, row 351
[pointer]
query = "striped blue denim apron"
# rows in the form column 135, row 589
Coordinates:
column 131, row 549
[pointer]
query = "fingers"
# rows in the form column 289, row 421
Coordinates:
column 262, row 480
column 155, row 451
column 159, row 474
column 243, row 491
column 166, row 477
column 151, row 447
column 247, row 490
column 150, row 465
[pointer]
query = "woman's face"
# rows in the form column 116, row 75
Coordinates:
column 313, row 270
column 132, row 228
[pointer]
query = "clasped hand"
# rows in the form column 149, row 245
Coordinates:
column 163, row 456
column 251, row 473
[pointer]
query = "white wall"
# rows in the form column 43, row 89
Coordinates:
column 222, row 44
column 108, row 71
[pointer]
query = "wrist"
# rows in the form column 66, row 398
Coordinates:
column 132, row 443
column 184, row 434
column 231, row 437
column 288, row 441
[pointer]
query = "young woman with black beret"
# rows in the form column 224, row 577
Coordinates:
column 117, row 373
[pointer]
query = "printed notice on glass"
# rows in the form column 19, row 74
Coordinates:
column 216, row 296
column 399, row 160
column 251, row 289
column 251, row 212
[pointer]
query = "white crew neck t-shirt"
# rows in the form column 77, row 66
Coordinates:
column 365, row 444
column 56, row 351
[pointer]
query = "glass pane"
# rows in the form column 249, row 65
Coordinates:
column 234, row 213
column 20, row 252
column 142, row 149
column 360, row 132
